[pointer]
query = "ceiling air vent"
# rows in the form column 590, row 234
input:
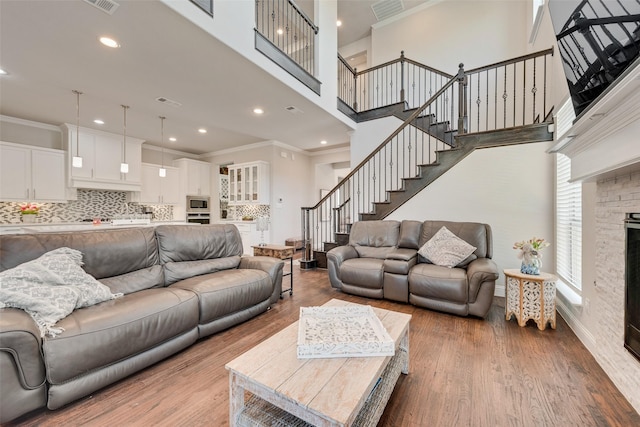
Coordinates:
column 293, row 110
column 168, row 101
column 387, row 8
column 107, row 6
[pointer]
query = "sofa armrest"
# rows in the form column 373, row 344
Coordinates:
column 335, row 258
column 22, row 372
column 403, row 254
column 20, row 338
column 480, row 271
column 340, row 254
column 272, row 266
column 400, row 261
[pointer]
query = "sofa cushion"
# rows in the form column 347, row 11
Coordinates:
column 374, row 239
column 228, row 291
column 446, row 249
column 145, row 278
column 440, row 283
column 106, row 253
column 476, row 234
column 176, row 271
column 97, row 336
column 409, row 234
column 197, row 242
column 365, row 272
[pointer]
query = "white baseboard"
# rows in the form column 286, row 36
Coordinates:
column 576, row 326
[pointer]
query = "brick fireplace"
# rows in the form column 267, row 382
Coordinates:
column 632, row 285
column 615, row 197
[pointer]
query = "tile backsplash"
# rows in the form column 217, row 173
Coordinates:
column 90, row 204
column 255, row 211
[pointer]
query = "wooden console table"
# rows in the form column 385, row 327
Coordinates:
column 530, row 297
column 280, row 252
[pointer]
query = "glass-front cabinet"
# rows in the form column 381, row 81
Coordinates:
column 249, row 183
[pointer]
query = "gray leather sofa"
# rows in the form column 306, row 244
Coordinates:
column 382, row 261
column 180, row 283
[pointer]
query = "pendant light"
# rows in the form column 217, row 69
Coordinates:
column 76, row 160
column 124, row 166
column 162, row 171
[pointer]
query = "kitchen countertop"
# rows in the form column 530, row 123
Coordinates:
column 49, row 227
column 234, row 221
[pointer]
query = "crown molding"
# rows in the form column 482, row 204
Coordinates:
column 29, row 123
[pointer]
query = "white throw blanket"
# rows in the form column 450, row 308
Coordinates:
column 49, row 288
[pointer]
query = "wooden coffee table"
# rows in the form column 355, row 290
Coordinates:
column 269, row 381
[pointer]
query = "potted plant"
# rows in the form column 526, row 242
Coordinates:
column 29, row 212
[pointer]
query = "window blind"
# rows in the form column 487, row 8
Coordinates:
column 568, row 224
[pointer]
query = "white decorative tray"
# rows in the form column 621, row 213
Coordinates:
column 346, row 331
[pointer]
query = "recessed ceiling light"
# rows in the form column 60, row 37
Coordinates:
column 280, row 32
column 172, row 139
column 109, row 42
column 202, row 130
column 323, row 142
column 258, row 110
column 338, row 23
column 3, row 72
column 98, row 122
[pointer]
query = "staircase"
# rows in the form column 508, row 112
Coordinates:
column 487, row 109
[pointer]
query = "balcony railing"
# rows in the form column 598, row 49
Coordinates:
column 288, row 28
column 400, row 80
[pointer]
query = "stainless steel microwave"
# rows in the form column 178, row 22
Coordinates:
column 198, row 204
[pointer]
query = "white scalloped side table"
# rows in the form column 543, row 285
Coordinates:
column 530, row 297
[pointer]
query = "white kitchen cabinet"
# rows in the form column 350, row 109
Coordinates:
column 195, row 177
column 102, row 154
column 157, row 189
column 31, row 173
column 249, row 183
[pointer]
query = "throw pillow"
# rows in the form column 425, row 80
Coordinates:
column 50, row 287
column 446, row 249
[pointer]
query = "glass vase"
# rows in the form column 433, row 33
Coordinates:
column 531, row 265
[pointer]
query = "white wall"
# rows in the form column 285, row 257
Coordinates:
column 474, row 32
column 325, row 175
column 369, row 135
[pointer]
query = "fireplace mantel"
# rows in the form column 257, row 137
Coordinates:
column 603, row 140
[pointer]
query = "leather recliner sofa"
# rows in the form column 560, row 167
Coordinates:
column 180, row 283
column 382, row 261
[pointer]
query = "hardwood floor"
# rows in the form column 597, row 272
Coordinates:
column 463, row 372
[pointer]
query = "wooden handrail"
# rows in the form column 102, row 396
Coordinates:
column 346, row 64
column 304, row 16
column 512, row 61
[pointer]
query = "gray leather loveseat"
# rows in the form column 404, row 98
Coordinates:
column 180, row 283
column 382, row 260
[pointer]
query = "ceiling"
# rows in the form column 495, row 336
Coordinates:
column 50, row 47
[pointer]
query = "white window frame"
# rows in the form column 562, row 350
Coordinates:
column 568, row 225
column 538, row 11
